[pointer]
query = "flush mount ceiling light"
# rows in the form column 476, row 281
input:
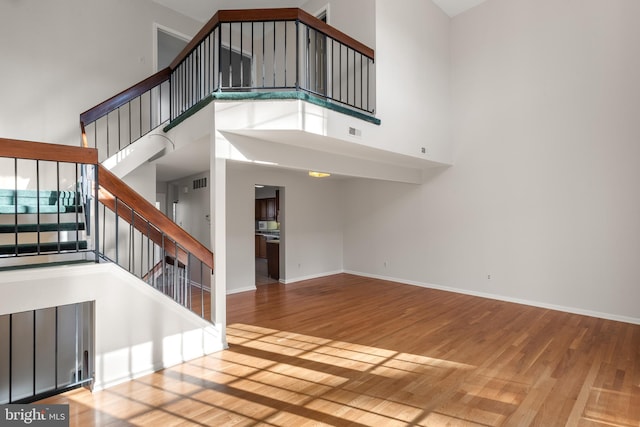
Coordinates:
column 259, row 186
column 319, row 174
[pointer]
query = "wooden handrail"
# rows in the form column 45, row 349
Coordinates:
column 142, row 225
column 222, row 16
column 115, row 186
column 143, row 211
column 125, row 96
column 30, row 150
column 330, row 31
column 283, row 14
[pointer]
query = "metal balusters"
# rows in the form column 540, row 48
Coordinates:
column 38, row 204
column 331, row 68
column 15, row 210
column 33, row 361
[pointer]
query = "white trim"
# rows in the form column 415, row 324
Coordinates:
column 572, row 310
column 565, row 309
column 313, row 276
column 324, row 10
column 237, row 291
column 159, row 27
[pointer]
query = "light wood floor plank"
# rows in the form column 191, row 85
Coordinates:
column 348, row 350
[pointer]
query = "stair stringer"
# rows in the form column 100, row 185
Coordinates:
column 138, row 330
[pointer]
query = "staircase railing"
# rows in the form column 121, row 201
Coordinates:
column 141, row 239
column 126, row 117
column 44, row 205
column 251, row 51
column 119, row 225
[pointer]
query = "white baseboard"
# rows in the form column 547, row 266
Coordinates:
column 573, row 310
column 313, row 276
column 239, row 290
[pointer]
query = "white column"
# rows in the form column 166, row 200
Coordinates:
column 218, row 232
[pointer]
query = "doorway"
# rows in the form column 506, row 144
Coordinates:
column 168, row 44
column 317, row 56
column 269, row 236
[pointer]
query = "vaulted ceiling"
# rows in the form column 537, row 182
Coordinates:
column 202, row 10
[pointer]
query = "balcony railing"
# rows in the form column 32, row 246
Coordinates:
column 250, row 51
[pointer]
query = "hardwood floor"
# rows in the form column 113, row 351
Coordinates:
column 347, row 350
column 262, row 273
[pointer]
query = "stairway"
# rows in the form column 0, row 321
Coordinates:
column 40, row 222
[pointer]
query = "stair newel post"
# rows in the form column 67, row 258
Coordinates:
column 297, row 56
column 149, row 259
column 38, row 203
column 176, row 264
column 75, row 203
column 187, row 278
column 164, row 267
column 201, row 291
column 117, row 220
column 220, row 57
column 96, row 214
column 58, row 210
column 132, row 243
column 15, row 204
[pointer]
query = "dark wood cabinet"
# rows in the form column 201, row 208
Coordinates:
column 261, row 246
column 271, row 209
column 266, row 209
column 257, row 246
column 258, row 210
column 273, row 259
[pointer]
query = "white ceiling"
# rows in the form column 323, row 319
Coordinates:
column 202, row 10
column 184, row 162
column 456, row 7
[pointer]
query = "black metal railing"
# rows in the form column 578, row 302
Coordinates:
column 140, row 239
column 45, row 351
column 257, row 50
column 292, row 51
column 123, row 119
column 59, row 205
column 45, row 205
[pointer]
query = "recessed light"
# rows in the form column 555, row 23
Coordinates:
column 319, row 174
column 259, row 186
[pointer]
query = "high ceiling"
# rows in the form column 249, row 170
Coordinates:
column 202, row 10
column 455, row 7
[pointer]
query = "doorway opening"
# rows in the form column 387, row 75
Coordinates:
column 269, row 236
column 168, row 44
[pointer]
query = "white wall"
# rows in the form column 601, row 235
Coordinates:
column 311, row 224
column 412, row 74
column 137, row 329
column 413, row 79
column 193, row 210
column 541, row 196
column 356, row 18
column 143, row 179
column 61, row 58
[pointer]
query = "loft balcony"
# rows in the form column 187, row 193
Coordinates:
column 242, row 55
column 273, row 50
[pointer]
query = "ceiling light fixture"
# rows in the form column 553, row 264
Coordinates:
column 319, row 174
